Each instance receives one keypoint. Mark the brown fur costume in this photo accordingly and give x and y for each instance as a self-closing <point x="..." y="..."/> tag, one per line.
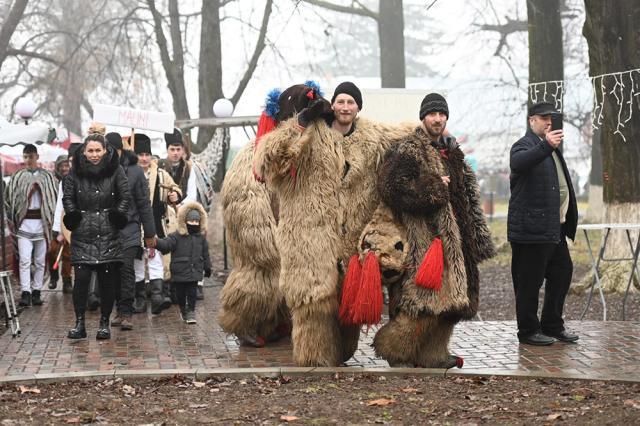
<point x="251" y="301"/>
<point x="410" y="184"/>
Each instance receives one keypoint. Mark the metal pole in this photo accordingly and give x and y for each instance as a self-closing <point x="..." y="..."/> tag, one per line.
<point x="2" y="221"/>
<point x="224" y="173"/>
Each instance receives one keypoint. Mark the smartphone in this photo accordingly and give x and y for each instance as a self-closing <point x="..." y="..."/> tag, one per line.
<point x="556" y="122"/>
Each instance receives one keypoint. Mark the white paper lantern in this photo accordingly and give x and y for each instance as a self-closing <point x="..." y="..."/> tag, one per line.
<point x="222" y="108"/>
<point x="25" y="107"/>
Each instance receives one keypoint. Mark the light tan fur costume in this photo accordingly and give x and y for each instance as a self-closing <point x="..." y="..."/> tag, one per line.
<point x="363" y="152"/>
<point x="251" y="302"/>
<point x="308" y="234"/>
<point x="410" y="185"/>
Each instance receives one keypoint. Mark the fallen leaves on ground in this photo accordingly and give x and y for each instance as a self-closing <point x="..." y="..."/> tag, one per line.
<point x="25" y="389"/>
<point x="381" y="402"/>
<point x="288" y="418"/>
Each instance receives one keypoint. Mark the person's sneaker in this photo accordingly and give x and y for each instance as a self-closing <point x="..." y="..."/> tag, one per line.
<point x="190" y="317"/>
<point x="537" y="339"/>
<point x="117" y="320"/>
<point x="563" y="336"/>
<point x="25" y="299"/>
<point x="125" y="322"/>
<point x="35" y="298"/>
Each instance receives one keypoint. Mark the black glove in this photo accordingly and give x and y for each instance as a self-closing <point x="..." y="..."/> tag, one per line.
<point x="316" y="109"/>
<point x="119" y="220"/>
<point x="72" y="220"/>
<point x="207" y="272"/>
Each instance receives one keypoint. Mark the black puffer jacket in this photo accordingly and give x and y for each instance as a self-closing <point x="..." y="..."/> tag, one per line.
<point x="96" y="199"/>
<point x="189" y="252"/>
<point x="534" y="206"/>
<point x="140" y="207"/>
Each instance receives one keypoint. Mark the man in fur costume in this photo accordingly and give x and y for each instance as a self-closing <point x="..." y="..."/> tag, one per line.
<point x="164" y="196"/>
<point x="302" y="161"/>
<point x="252" y="306"/>
<point x="434" y="196"/>
<point x="30" y="199"/>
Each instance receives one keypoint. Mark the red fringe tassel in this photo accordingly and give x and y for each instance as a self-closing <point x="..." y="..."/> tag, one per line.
<point x="429" y="274"/>
<point x="350" y="290"/>
<point x="368" y="306"/>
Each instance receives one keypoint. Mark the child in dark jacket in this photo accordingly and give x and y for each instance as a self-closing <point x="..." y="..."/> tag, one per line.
<point x="189" y="256"/>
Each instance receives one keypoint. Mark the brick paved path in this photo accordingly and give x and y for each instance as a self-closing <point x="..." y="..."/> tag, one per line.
<point x="606" y="350"/>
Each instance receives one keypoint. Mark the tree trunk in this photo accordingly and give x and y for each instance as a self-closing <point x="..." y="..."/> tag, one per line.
<point x="613" y="36"/>
<point x="546" y="56"/>
<point x="72" y="91"/>
<point x="391" y="36"/>
<point x="210" y="69"/>
<point x="9" y="26"/>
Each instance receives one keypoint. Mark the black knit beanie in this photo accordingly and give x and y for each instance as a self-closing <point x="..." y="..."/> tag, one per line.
<point x="434" y="102"/>
<point x="114" y="139"/>
<point x="350" y="89"/>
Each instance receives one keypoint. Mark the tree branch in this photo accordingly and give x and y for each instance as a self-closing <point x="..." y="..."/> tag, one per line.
<point x="362" y="11"/>
<point x="253" y="63"/>
<point x="22" y="52"/>
<point x="9" y="27"/>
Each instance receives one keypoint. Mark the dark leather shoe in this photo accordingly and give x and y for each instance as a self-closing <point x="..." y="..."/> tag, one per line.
<point x="537" y="339"/>
<point x="564" y="336"/>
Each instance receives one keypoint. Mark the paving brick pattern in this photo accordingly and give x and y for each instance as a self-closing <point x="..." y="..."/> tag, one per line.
<point x="607" y="350"/>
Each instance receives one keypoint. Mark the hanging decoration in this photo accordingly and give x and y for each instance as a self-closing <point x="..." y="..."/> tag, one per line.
<point x="622" y="86"/>
<point x="547" y="91"/>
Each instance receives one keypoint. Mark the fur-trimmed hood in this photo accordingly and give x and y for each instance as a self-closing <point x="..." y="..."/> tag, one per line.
<point x="182" y="217"/>
<point x="106" y="167"/>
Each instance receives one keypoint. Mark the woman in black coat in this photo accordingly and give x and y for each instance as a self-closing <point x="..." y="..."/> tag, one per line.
<point x="96" y="198"/>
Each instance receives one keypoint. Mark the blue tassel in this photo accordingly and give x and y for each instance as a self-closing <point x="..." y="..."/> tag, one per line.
<point x="271" y="107"/>
<point x="315" y="86"/>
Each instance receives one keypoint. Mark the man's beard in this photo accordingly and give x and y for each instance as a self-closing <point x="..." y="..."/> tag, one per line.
<point x="345" y="120"/>
<point x="433" y="132"/>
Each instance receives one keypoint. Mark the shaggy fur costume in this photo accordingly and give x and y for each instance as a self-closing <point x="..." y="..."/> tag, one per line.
<point x="308" y="234"/>
<point x="251" y="302"/>
<point x="410" y="184"/>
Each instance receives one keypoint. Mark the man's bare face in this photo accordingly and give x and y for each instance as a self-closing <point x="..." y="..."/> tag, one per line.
<point x="175" y="153"/>
<point x="144" y="159"/>
<point x="64" y="168"/>
<point x="345" y="109"/>
<point x="540" y="124"/>
<point x="435" y="123"/>
<point x="30" y="160"/>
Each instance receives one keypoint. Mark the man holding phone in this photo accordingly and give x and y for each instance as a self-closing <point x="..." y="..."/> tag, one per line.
<point x="542" y="213"/>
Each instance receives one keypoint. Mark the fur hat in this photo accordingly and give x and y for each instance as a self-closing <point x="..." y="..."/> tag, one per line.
<point x="142" y="144"/>
<point x="174" y="138"/>
<point x="350" y="89"/>
<point x="434" y="102"/>
<point x="114" y="139"/>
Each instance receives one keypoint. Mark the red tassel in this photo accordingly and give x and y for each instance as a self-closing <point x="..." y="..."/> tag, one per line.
<point x="265" y="125"/>
<point x="350" y="290"/>
<point x="368" y="306"/>
<point x="429" y="274"/>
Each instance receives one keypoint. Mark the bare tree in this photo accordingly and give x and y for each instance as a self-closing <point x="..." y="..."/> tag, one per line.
<point x="9" y="26"/>
<point x="390" y="21"/>
<point x="210" y="72"/>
